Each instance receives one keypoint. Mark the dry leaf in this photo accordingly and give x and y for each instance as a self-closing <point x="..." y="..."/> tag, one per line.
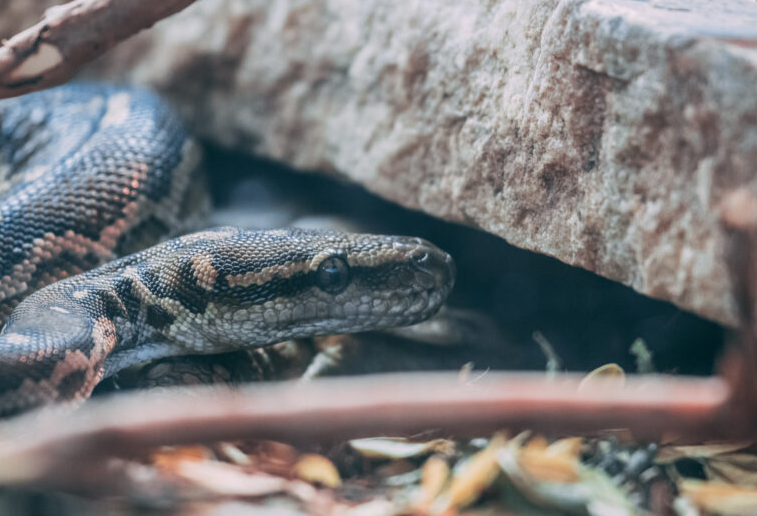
<point x="463" y="376"/>
<point x="568" y="447"/>
<point x="225" y="479"/>
<point x="670" y="454"/>
<point x="537" y="443"/>
<point x="274" y="457"/>
<point x="434" y="475"/>
<point x="473" y="477"/>
<point x="552" y="477"/>
<point x="721" y="461"/>
<point x="275" y="451"/>
<point x="720" y="498"/>
<point x="317" y="469"/>
<point x="601" y="376"/>
<point x="558" y="464"/>
<point x="398" y="448"/>
<point x="168" y="457"/>
<point x="313" y="500"/>
<point x="233" y="454"/>
<point x="734" y="468"/>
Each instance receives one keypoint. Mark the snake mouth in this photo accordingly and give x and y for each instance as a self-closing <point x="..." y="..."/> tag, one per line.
<point x="394" y="311"/>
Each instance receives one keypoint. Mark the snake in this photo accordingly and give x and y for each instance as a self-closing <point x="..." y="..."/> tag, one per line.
<point x="98" y="185"/>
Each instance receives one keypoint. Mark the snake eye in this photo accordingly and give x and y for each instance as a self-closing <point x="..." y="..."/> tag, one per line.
<point x="333" y="275"/>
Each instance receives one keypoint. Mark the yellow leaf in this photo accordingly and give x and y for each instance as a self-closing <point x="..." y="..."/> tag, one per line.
<point x="555" y="478"/>
<point x="734" y="468"/>
<point x="317" y="469"/>
<point x="537" y="443"/>
<point x="601" y="376"/>
<point x="168" y="457"/>
<point x="398" y="448"/>
<point x="474" y="478"/>
<point x="226" y="479"/>
<point x="570" y="447"/>
<point x="553" y="467"/>
<point x="433" y="477"/>
<point x="556" y="462"/>
<point x="233" y="454"/>
<point x="670" y="454"/>
<point x="720" y="498"/>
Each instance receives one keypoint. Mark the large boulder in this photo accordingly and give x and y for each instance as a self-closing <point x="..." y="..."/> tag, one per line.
<point x="602" y="132"/>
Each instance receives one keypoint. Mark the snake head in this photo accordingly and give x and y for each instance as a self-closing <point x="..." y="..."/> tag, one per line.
<point x="261" y="287"/>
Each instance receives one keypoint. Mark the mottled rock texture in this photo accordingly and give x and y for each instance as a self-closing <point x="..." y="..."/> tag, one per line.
<point x="602" y="132"/>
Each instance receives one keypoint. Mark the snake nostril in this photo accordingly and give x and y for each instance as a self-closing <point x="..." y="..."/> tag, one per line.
<point x="421" y="258"/>
<point x="436" y="264"/>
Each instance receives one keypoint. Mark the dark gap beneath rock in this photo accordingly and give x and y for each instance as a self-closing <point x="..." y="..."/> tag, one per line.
<point x="589" y="320"/>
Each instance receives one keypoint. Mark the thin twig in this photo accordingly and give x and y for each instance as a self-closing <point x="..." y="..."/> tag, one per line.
<point x="554" y="364"/>
<point x="71" y="35"/>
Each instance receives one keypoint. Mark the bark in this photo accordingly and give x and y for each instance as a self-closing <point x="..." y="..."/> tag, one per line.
<point x="71" y="35"/>
<point x="38" y="449"/>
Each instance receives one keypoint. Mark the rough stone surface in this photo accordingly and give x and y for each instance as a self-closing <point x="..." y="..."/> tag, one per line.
<point x="602" y="132"/>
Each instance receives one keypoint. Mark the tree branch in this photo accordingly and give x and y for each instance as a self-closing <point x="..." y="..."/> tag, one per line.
<point x="38" y="448"/>
<point x="71" y="35"/>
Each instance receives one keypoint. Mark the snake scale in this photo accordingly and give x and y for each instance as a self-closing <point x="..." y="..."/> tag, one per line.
<point x="92" y="172"/>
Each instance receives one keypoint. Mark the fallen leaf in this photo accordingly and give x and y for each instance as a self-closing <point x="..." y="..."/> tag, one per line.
<point x="554" y="478"/>
<point x="233" y="454"/>
<point x="720" y="498"/>
<point x="568" y="447"/>
<point x="601" y="376"/>
<point x="434" y="475"/>
<point x="317" y="469"/>
<point x="274" y="457"/>
<point x="537" y="443"/>
<point x="670" y="454"/>
<point x="734" y="468"/>
<point x="555" y="466"/>
<point x="225" y="479"/>
<point x="398" y="448"/>
<point x="472" y="477"/>
<point x="463" y="376"/>
<point x="721" y="462"/>
<point x="168" y="457"/>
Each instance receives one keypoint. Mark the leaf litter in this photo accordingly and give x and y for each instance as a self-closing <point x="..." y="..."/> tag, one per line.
<point x="431" y="475"/>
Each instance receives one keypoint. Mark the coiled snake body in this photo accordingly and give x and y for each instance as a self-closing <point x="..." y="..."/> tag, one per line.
<point x="91" y="172"/>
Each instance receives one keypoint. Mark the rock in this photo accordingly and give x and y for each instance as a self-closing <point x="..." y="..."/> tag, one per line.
<point x="602" y="132"/>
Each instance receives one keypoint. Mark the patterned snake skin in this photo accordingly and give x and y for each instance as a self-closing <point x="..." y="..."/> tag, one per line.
<point x="91" y="172"/>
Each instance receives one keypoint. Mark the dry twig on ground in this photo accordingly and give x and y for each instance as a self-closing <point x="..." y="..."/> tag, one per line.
<point x="38" y="448"/>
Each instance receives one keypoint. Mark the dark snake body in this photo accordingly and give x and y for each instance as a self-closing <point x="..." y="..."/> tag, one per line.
<point x="91" y="172"/>
<point x="87" y="173"/>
